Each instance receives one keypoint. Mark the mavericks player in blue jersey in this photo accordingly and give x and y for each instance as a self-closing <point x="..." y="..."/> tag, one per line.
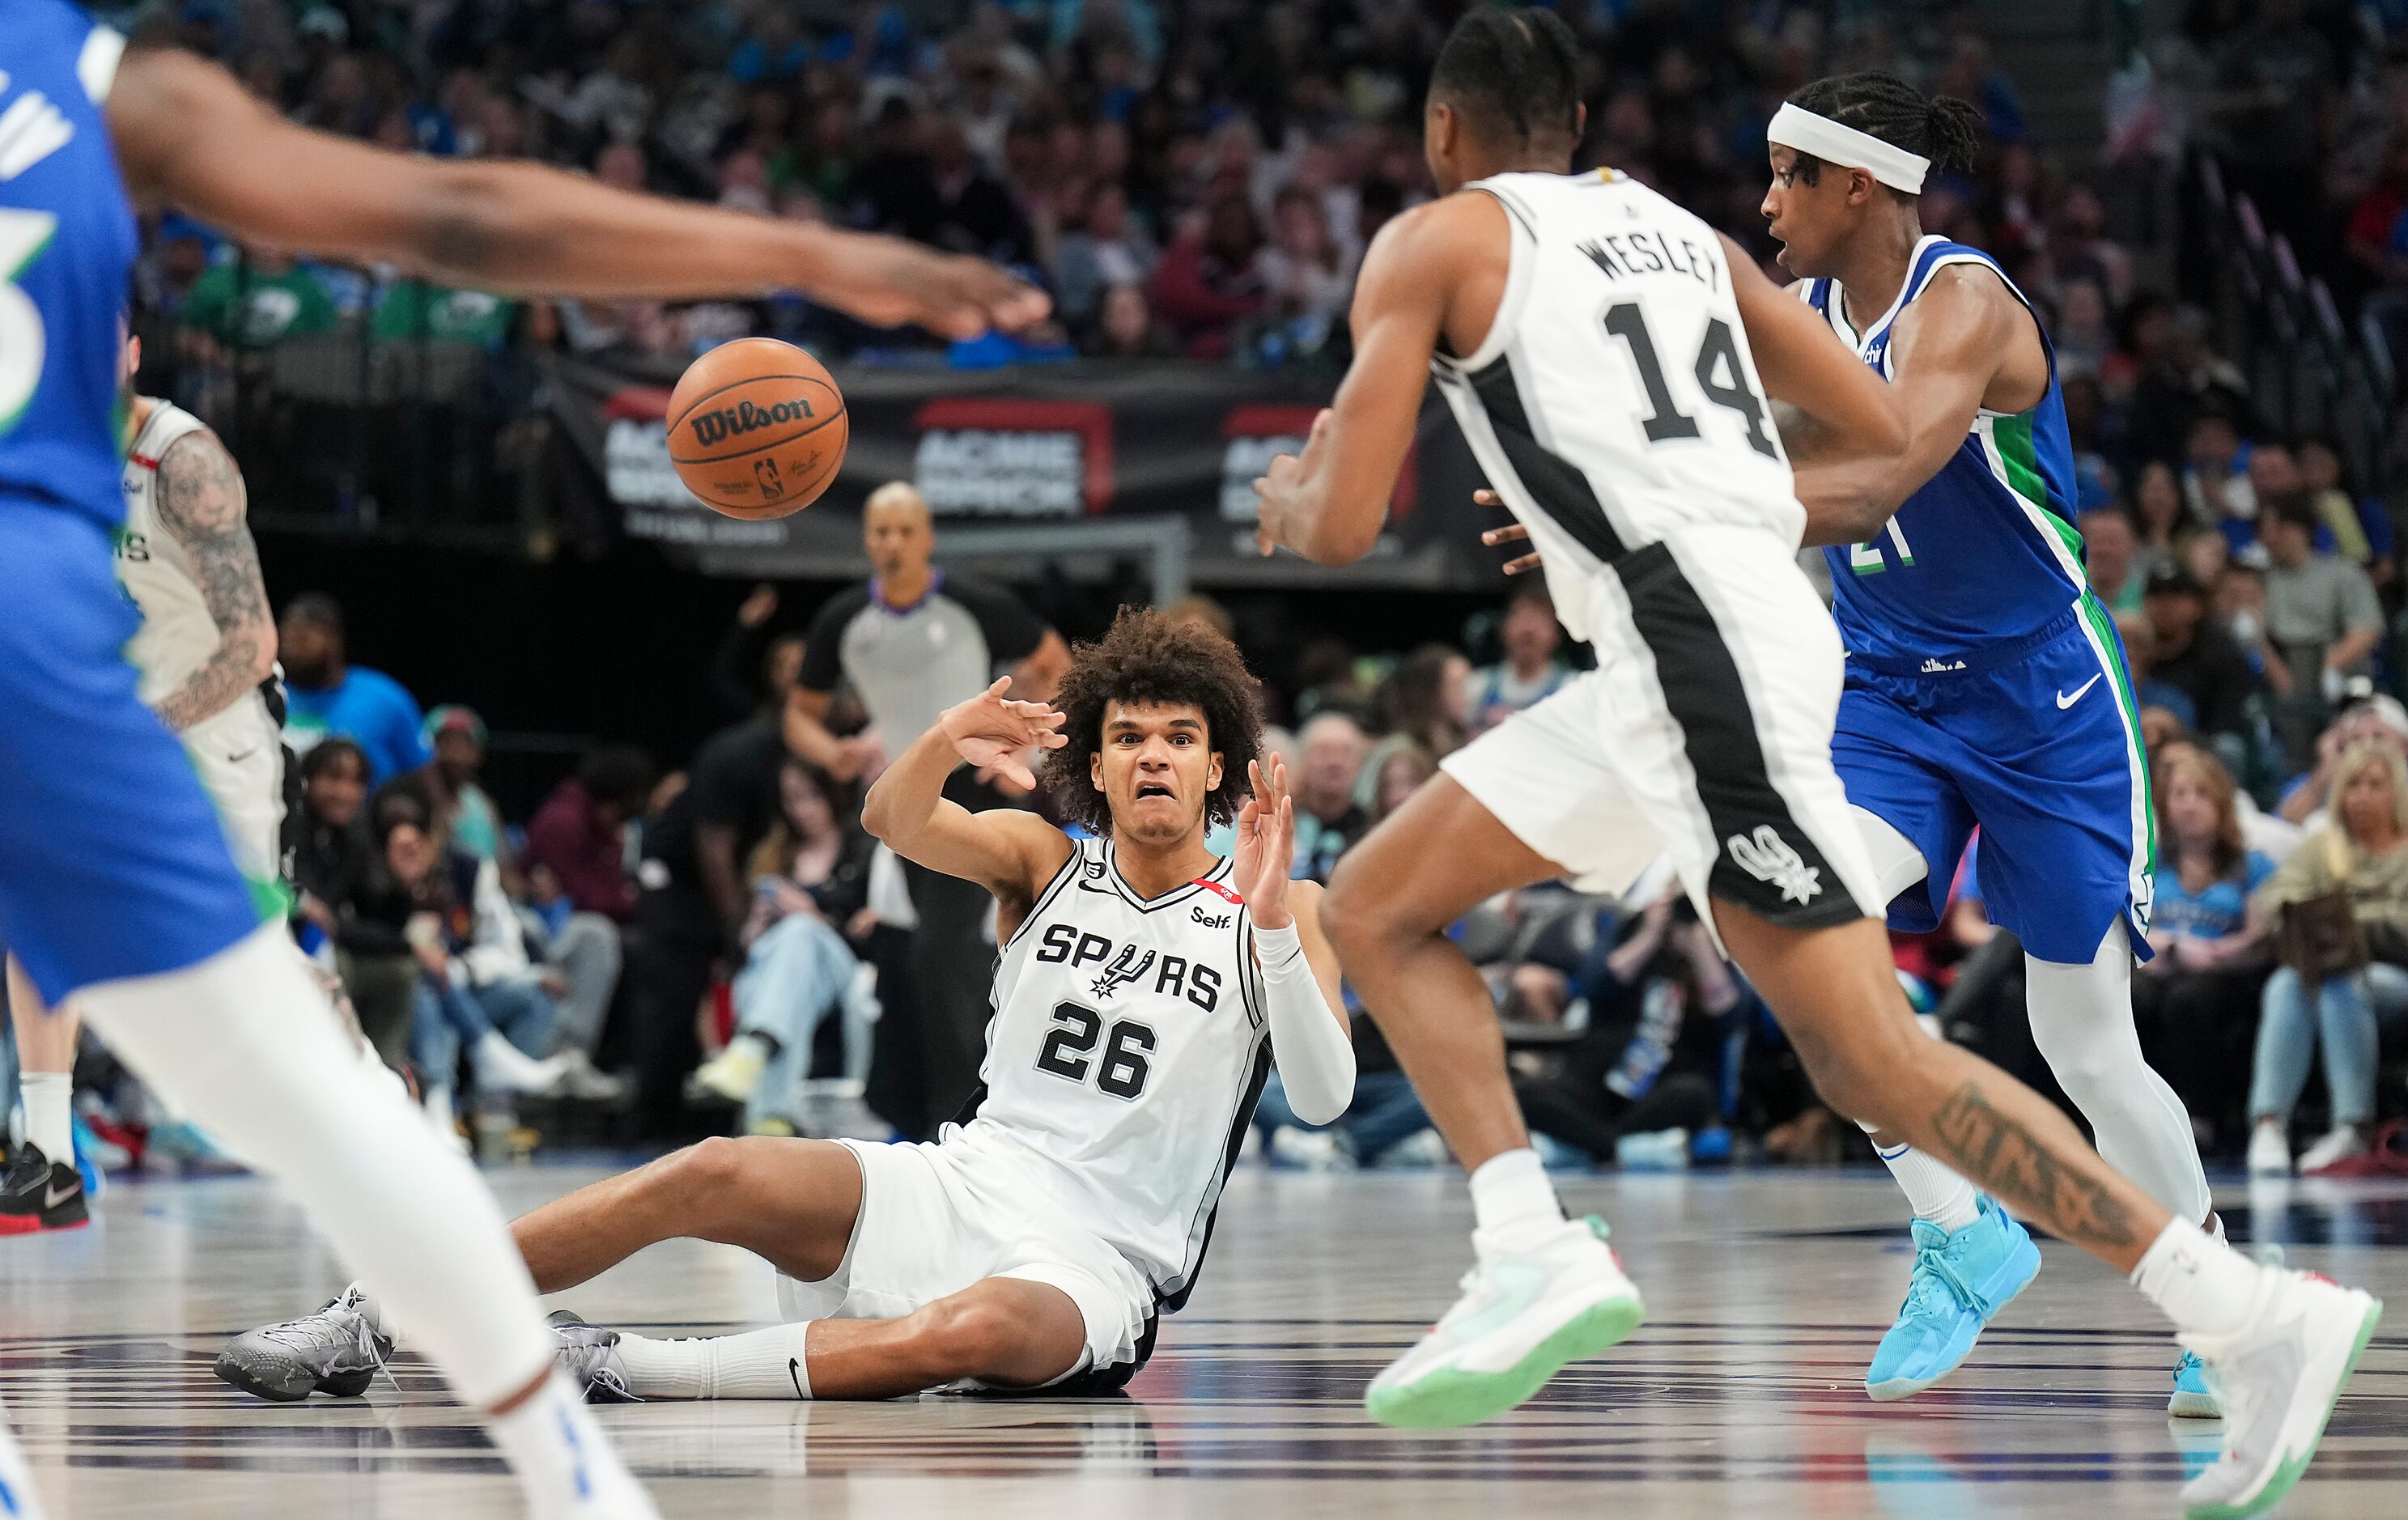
<point x="1985" y="685"/>
<point x="117" y="886"/>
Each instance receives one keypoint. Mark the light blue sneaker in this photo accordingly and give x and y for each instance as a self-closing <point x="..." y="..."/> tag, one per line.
<point x="1960" y="1280"/>
<point x="2193" y="1398"/>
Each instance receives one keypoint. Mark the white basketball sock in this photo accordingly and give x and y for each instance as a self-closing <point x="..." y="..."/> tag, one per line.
<point x="49" y="1122"/>
<point x="758" y="1364"/>
<point x="249" y="1046"/>
<point x="1933" y="1190"/>
<point x="1512" y="1203"/>
<point x="2205" y="1286"/>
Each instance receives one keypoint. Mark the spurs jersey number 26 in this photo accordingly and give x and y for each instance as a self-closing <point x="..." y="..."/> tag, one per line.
<point x="1127" y="1050"/>
<point x="1614" y="399"/>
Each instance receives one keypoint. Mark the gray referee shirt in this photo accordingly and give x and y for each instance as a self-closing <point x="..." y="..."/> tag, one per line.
<point x="909" y="664"/>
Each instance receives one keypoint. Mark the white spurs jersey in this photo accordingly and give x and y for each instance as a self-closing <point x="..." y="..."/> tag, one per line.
<point x="177" y="633"/>
<point x="1614" y="399"/>
<point x="1128" y="1049"/>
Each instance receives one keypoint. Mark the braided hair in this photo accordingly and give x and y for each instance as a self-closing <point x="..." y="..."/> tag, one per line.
<point x="1517" y="71"/>
<point x="1941" y="128"/>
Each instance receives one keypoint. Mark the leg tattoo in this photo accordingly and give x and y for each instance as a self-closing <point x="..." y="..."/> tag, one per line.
<point x="1998" y="1151"/>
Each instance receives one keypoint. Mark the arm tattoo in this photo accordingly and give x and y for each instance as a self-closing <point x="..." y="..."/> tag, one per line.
<point x="2003" y="1156"/>
<point x="202" y="502"/>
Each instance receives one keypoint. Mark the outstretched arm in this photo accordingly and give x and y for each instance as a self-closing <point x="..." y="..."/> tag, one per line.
<point x="1009" y="853"/>
<point x="1329" y="503"/>
<point x="201" y="501"/>
<point x="189" y="135"/>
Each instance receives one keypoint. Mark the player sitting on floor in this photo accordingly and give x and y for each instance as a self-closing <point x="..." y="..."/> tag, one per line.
<point x="1035" y="1243"/>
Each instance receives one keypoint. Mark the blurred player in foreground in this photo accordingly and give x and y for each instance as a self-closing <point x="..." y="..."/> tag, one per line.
<point x="117" y="886"/>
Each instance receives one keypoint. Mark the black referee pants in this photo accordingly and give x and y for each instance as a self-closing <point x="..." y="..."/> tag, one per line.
<point x="955" y="965"/>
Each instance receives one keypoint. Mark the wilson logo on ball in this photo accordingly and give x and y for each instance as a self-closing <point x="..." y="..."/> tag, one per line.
<point x="744" y="417"/>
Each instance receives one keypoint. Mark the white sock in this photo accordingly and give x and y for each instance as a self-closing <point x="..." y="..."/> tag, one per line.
<point x="1511" y="1200"/>
<point x="2204" y="1286"/>
<point x="758" y="1364"/>
<point x="562" y="1459"/>
<point x="1933" y="1190"/>
<point x="50" y="1098"/>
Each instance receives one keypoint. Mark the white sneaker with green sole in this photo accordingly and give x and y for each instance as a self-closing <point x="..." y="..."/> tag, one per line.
<point x="1522" y="1316"/>
<point x="2277" y="1378"/>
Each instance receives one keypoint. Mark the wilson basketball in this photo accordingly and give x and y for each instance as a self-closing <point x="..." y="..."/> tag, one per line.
<point x="757" y="428"/>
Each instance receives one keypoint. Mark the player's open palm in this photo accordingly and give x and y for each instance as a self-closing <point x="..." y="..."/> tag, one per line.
<point x="995" y="733"/>
<point x="1266" y="843"/>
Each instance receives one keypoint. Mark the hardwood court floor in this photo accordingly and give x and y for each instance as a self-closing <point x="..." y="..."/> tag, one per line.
<point x="1742" y="1396"/>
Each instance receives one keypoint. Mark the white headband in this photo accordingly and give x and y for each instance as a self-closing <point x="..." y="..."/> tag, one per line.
<point x="1835" y="142"/>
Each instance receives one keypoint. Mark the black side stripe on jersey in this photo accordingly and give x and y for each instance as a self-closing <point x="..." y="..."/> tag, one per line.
<point x="1174" y="1301"/>
<point x="1707" y="698"/>
<point x="1556" y="486"/>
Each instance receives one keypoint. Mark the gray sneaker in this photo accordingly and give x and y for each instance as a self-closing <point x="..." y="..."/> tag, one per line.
<point x="334" y="1351"/>
<point x="590" y="1356"/>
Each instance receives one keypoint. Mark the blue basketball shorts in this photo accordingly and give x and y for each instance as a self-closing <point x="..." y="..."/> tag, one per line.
<point x="112" y="862"/>
<point x="2039" y="743"/>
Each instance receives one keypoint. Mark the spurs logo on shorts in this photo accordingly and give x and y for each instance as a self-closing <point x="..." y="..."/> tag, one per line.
<point x="1768" y="857"/>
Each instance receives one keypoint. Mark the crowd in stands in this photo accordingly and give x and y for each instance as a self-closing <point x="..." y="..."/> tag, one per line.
<point x="1199" y="177"/>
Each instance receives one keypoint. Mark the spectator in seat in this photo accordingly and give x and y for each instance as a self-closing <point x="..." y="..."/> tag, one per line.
<point x="257" y="301"/>
<point x="2322" y="617"/>
<point x="2156" y="518"/>
<point x="333" y="861"/>
<point x="1211" y="278"/>
<point x="463" y="812"/>
<point x="2361" y="528"/>
<point x="1111" y="249"/>
<point x="1428" y="702"/>
<point x="2362" y="855"/>
<point x="2196" y="654"/>
<point x="810" y="896"/>
<point x="326" y="693"/>
<point x="1125" y="328"/>
<point x="2197" y="1001"/>
<point x="475" y="991"/>
<point x="579" y="835"/>
<point x="2111" y="546"/>
<point x="1328" y="820"/>
<point x="1531" y="668"/>
<point x="2216" y="484"/>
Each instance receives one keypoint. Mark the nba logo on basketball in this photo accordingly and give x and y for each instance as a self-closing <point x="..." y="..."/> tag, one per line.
<point x="766" y="472"/>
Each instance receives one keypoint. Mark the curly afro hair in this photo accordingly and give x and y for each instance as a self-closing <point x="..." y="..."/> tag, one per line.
<point x="1148" y="658"/>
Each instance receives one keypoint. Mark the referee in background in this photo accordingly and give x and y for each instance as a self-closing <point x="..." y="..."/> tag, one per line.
<point x="911" y="643"/>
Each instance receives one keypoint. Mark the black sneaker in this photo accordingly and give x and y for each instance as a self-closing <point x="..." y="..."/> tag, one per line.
<point x="38" y="1192"/>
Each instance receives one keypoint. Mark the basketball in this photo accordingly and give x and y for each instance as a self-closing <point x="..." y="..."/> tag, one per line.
<point x="757" y="429"/>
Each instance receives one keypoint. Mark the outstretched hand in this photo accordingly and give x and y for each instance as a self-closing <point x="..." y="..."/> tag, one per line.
<point x="1266" y="845"/>
<point x="1511" y="533"/>
<point x="994" y="733"/>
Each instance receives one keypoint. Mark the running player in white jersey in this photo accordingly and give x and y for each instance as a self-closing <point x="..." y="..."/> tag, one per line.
<point x="206" y="649"/>
<point x="1608" y="358"/>
<point x="1145" y="986"/>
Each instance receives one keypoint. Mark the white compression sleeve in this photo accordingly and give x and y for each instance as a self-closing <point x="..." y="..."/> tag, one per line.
<point x="246" y="1044"/>
<point x="2081" y="1021"/>
<point x="1316" y="1059"/>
